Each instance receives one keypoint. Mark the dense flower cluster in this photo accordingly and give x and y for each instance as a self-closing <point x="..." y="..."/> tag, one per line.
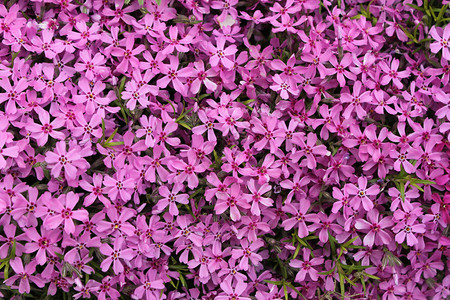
<point x="224" y="149"/>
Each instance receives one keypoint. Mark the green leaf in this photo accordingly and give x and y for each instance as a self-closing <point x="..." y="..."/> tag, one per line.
<point x="371" y="276"/>
<point x="274" y="282"/>
<point x="297" y="250"/>
<point x="185" y="125"/>
<point x="112" y="144"/>
<point x="247" y="102"/>
<point x="410" y="36"/>
<point x="402" y="190"/>
<point x="342" y="249"/>
<point x="301" y="241"/>
<point x="122" y="84"/>
<point x="60" y="255"/>
<point x="103" y="132"/>
<point x="341" y="281"/>
<point x="13" y="251"/>
<point x="183" y="281"/>
<point x="327" y="272"/>
<point x="417" y="187"/>
<point x="332" y="243"/>
<point x="158" y="2"/>
<point x="416" y="180"/>
<point x="286" y="295"/>
<point x="415" y="7"/>
<point x="349" y="281"/>
<point x="347" y="244"/>
<point x="363" y="282"/>
<point x="178" y="267"/>
<point x="112" y="135"/>
<point x="4" y="264"/>
<point x="295" y="289"/>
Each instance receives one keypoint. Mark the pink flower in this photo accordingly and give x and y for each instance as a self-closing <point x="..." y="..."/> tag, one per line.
<point x="12" y="151"/>
<point x="114" y="255"/>
<point x="219" y="54"/>
<point x="25" y="275"/>
<point x="121" y="185"/>
<point x="92" y="66"/>
<point x="407" y="230"/>
<point x="71" y="161"/>
<point x="255" y="198"/>
<point x="442" y="41"/>
<point x="232" y="293"/>
<point x="44" y="243"/>
<point x="64" y="212"/>
<point x="128" y="55"/>
<point x="229" y="122"/>
<point x="326" y="225"/>
<point x="310" y="149"/>
<point x="306" y="266"/>
<point x="231" y="200"/>
<point x="284" y="86"/>
<point x="362" y="194"/>
<point x="171" y="198"/>
<point x="376" y="227"/>
<point x="248" y="252"/>
<point x="393" y="74"/>
<point x="188" y="170"/>
<point x="299" y="217"/>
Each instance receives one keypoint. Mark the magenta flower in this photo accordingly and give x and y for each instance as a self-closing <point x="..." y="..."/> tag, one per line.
<point x="129" y="149"/>
<point x="150" y="285"/>
<point x="340" y="69"/>
<point x="118" y="222"/>
<point x="284" y="86"/>
<point x="232" y="293"/>
<point x="326" y="225"/>
<point x="219" y="54"/>
<point x="442" y="41"/>
<point x="95" y="187"/>
<point x="231" y="199"/>
<point x="120" y="186"/>
<point x="13" y="93"/>
<point x="25" y="275"/>
<point x="113" y="256"/>
<point x="356" y="101"/>
<point x="188" y="170"/>
<point x="407" y="231"/>
<point x="376" y="227"/>
<point x="175" y="75"/>
<point x="12" y="151"/>
<point x="361" y="194"/>
<point x="392" y="73"/>
<point x="299" y="217"/>
<point x="269" y="169"/>
<point x="64" y="213"/>
<point x="71" y="161"/>
<point x="92" y="95"/>
<point x="92" y="66"/>
<point x="248" y="252"/>
<point x="310" y="149"/>
<point x="256" y="197"/>
<point x="45" y="243"/>
<point x="306" y="266"/>
<point x="128" y="55"/>
<point x="171" y="198"/>
<point x="229" y="122"/>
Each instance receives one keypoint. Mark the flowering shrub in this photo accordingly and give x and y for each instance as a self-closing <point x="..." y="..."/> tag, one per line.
<point x="224" y="149"/>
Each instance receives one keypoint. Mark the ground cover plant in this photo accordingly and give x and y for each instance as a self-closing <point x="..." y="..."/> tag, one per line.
<point x="224" y="149"/>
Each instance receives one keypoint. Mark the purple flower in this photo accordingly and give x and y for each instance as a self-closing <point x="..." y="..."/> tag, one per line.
<point x="306" y="266"/>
